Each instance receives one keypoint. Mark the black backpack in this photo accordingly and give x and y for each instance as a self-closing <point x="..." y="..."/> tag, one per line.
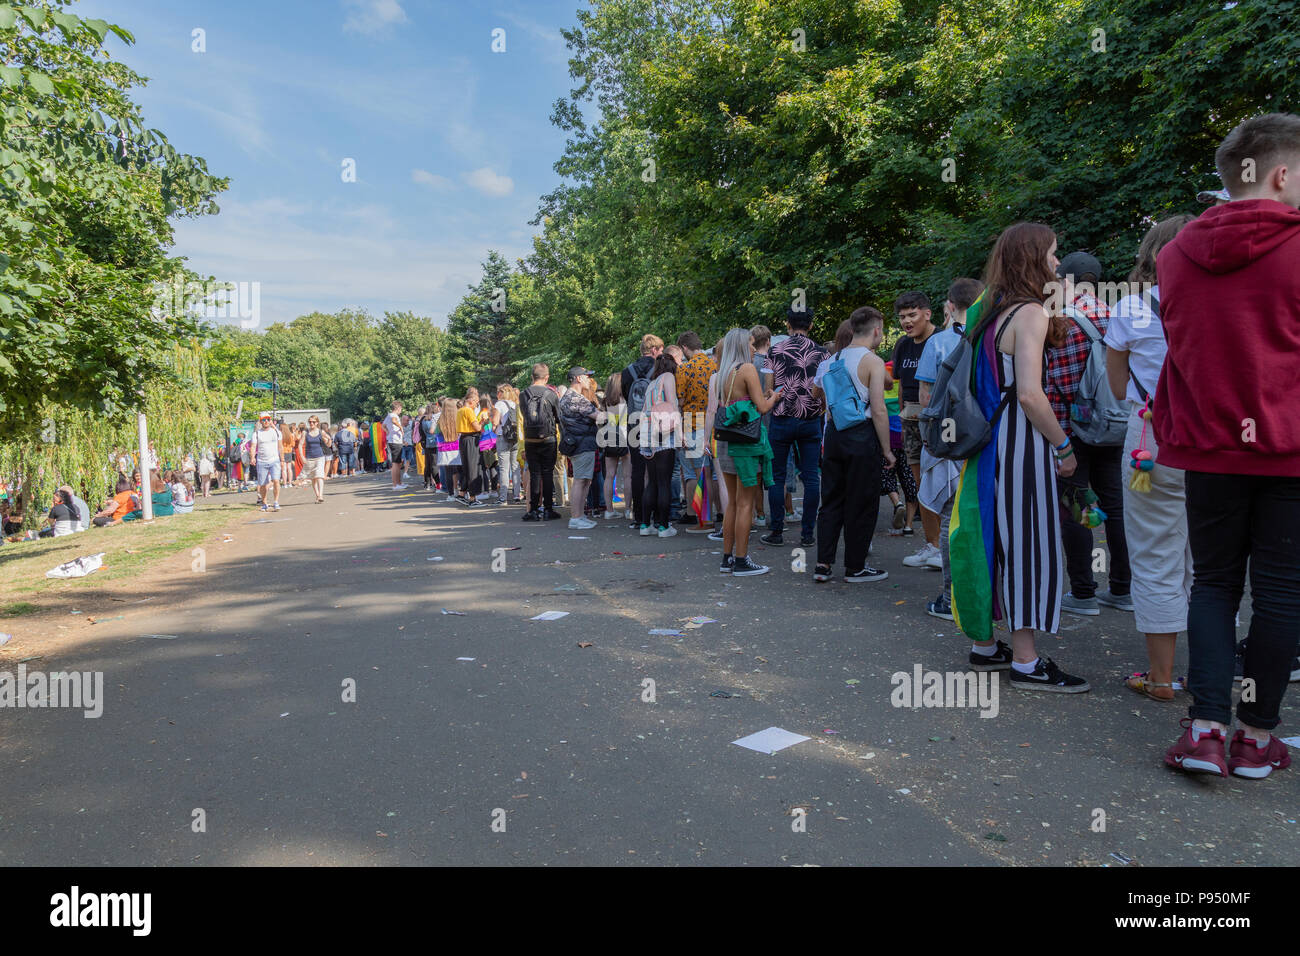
<point x="509" y="432"/>
<point x="539" y="412"/>
<point x="637" y="393"/>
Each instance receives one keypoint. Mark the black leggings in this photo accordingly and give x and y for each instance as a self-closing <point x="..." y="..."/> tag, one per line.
<point x="471" y="482"/>
<point x="658" y="486"/>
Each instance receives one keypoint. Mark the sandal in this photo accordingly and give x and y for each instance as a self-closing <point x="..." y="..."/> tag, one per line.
<point x="822" y="573"/>
<point x="1142" y="684"/>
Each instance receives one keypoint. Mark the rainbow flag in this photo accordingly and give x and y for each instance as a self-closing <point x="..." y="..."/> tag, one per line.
<point x="378" y="444"/>
<point x="700" y="500"/>
<point x="973" y="527"/>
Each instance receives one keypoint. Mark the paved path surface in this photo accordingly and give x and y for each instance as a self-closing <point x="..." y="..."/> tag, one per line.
<point x="242" y="715"/>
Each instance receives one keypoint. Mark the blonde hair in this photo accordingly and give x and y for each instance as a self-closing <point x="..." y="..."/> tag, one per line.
<point x="447" y="421"/>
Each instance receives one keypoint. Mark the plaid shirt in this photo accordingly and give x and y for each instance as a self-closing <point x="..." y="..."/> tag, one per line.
<point x="1065" y="364"/>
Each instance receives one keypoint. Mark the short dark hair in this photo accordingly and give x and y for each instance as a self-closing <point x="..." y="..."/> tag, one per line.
<point x="689" y="340"/>
<point x="1266" y="140"/>
<point x="912" y="300"/>
<point x="862" y="319"/>
<point x="800" y="319"/>
<point x="124" y="484"/>
<point x="963" y="292"/>
<point x="540" y="371"/>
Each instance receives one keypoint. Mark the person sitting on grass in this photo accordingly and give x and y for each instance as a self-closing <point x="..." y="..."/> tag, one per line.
<point x="123" y="502"/>
<point x="160" y="494"/>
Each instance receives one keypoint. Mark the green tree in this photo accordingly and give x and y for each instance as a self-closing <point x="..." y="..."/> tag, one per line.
<point x="481" y="331"/>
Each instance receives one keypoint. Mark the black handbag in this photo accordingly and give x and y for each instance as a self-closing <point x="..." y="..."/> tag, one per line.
<point x="748" y="432"/>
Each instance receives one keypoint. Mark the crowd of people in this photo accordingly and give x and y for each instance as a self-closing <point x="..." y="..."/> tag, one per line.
<point x="1133" y="406"/>
<point x="1074" y="387"/>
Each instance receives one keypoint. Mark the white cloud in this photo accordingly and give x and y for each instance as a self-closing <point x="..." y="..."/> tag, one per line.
<point x="489" y="183"/>
<point x="313" y="256"/>
<point x="426" y="178"/>
<point x="372" y="16"/>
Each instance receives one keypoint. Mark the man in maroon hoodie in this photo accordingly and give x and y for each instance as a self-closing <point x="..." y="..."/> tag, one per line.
<point x="1230" y="304"/>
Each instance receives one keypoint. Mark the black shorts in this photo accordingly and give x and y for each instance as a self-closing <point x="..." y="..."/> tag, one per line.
<point x="394" y="453"/>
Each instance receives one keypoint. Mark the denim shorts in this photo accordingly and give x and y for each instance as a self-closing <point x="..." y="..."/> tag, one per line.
<point x="267" y="471"/>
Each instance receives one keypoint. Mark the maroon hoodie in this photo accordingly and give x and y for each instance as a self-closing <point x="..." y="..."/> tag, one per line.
<point x="1230" y="305"/>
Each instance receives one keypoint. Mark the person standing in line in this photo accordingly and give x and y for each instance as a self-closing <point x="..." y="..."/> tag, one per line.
<point x="578" y="423"/>
<point x="1155" y="518"/>
<point x="1008" y="490"/>
<point x="206" y="469"/>
<point x="1230" y="306"/>
<point x="1099" y="465"/>
<point x="693" y="396"/>
<point x="796" y="425"/>
<point x="914" y="315"/>
<point x="660" y="436"/>
<point x="613" y="429"/>
<point x="393" y="432"/>
<point x="939" y="476"/>
<point x="505" y="420"/>
<point x="635" y="381"/>
<point x="448" y="435"/>
<point x="346" y="442"/>
<point x="467" y="426"/>
<point x="851" y="459"/>
<point x="737" y="397"/>
<point x="540" y="411"/>
<point x="266" y="451"/>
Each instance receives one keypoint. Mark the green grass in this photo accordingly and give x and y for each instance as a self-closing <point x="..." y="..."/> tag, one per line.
<point x="128" y="550"/>
<point x="17" y="609"/>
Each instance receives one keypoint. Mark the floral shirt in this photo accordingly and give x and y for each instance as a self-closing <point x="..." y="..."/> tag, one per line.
<point x="693" y="383"/>
<point x="794" y="363"/>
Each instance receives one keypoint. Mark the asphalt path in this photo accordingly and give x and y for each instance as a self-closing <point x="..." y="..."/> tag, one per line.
<point x="542" y="751"/>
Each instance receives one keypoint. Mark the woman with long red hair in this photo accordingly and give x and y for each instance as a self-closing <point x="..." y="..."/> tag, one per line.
<point x="1007" y="497"/>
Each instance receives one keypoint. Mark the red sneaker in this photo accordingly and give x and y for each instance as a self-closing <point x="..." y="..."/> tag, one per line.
<point x="1201" y="756"/>
<point x="1247" y="759"/>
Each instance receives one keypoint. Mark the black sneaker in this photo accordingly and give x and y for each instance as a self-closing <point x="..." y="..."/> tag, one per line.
<point x="532" y="516"/>
<point x="909" y="531"/>
<point x="479" y="504"/>
<point x="807" y="542"/>
<point x="742" y="567"/>
<point x="822" y="573"/>
<point x="866" y="574"/>
<point x="774" y="539"/>
<point x="999" y="660"/>
<point x="1048" y="677"/>
<point x="688" y="520"/>
<point x="940" y="607"/>
<point x="551" y="515"/>
<point x="727" y="563"/>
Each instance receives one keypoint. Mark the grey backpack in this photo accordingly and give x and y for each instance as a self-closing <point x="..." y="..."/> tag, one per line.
<point x="1096" y="416"/>
<point x="953" y="426"/>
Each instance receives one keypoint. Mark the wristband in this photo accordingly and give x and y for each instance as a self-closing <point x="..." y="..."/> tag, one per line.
<point x="1062" y="457"/>
<point x="1063" y="445"/>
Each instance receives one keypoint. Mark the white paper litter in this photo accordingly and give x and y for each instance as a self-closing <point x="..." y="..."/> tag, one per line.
<point x="550" y="616"/>
<point x="79" y="567"/>
<point x="1291" y="741"/>
<point x="771" y="740"/>
<point x="464" y="658"/>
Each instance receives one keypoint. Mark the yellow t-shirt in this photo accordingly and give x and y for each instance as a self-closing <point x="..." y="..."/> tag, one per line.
<point x="467" y="420"/>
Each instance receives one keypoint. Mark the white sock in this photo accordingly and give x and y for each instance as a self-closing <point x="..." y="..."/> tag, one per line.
<point x="1025" y="668"/>
<point x="987" y="650"/>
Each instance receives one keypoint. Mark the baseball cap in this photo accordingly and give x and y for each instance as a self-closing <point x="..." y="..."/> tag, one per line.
<point x="1079" y="264"/>
<point x="578" y="371"/>
<point x="1208" y="196"/>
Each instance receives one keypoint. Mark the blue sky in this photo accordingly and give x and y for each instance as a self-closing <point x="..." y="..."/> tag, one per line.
<point x="452" y="142"/>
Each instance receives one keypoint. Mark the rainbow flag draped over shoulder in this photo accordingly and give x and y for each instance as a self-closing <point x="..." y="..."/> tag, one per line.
<point x="377" y="443"/>
<point x="973" y="527"/>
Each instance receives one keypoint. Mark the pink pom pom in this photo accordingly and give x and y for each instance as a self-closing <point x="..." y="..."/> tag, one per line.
<point x="1143" y="455"/>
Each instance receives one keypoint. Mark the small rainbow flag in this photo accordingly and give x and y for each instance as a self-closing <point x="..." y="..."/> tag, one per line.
<point x="377" y="443"/>
<point x="700" y="500"/>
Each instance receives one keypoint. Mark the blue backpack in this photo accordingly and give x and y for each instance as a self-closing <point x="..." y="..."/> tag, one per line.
<point x="848" y="410"/>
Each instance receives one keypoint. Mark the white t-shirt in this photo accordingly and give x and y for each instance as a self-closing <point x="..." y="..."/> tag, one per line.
<point x="393" y="428"/>
<point x="853" y="356"/>
<point x="266" y="441"/>
<point x="180" y="494"/>
<point x="1135" y="329"/>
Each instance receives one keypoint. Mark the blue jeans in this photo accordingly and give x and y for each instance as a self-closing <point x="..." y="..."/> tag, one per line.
<point x="348" y="461"/>
<point x="805" y="435"/>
